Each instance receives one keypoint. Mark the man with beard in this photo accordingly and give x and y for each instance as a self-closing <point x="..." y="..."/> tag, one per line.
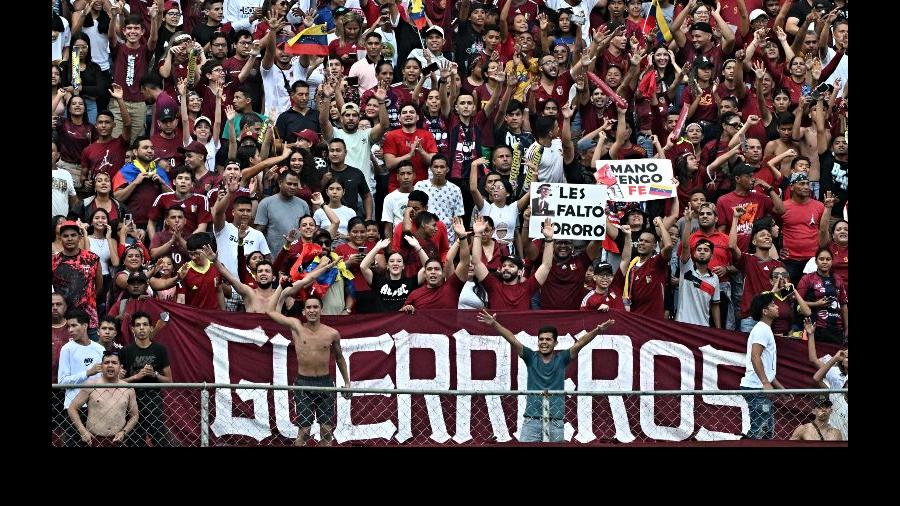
<point x="146" y="361"/>
<point x="106" y="408"/>
<point x="754" y="267"/>
<point x="195" y="206"/>
<point x="59" y="334"/>
<point x="256" y="300"/>
<point x="646" y="275"/>
<point x="702" y="42"/>
<point x="316" y="346"/>
<point x="546" y="371"/>
<point x="554" y="85"/>
<point x="721" y="262"/>
<point x="436" y="293"/>
<point x="358" y="143"/>
<point x="509" y="292"/>
<point x="77" y="274"/>
<point x="408" y="143"/>
<point x="698" y="297"/>
<point x="107" y="153"/>
<point x="562" y="290"/>
<point x="755" y="205"/>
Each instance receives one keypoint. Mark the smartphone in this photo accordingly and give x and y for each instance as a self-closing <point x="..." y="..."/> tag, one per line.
<point x="353" y="81"/>
<point x="744" y="146"/>
<point x="361" y="250"/>
<point x="430" y="68"/>
<point x="128" y="217"/>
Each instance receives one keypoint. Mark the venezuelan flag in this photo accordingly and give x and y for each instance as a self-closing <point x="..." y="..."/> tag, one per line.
<point x="312" y="41"/>
<point x="417" y="14"/>
<point x="664" y="36"/>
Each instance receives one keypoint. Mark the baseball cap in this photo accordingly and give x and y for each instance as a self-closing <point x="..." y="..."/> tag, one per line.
<point x="703" y="27"/>
<point x="757" y="13"/>
<point x="194" y="147"/>
<point x="798" y="177"/>
<point x="249" y="134"/>
<point x="822" y="401"/>
<point x="742" y="169"/>
<point x="514" y="259"/>
<point x="202" y="118"/>
<point x="704" y="63"/>
<point x="171" y="4"/>
<point x="351" y="106"/>
<point x="437" y="29"/>
<point x="69" y="224"/>
<point x="340" y="11"/>
<point x="137" y="277"/>
<point x="167" y="114"/>
<point x="308" y="135"/>
<point x="603" y="266"/>
<point x="478" y="5"/>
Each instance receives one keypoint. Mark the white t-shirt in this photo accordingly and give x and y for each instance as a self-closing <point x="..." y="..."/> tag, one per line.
<point x="99" y="46"/>
<point x="57" y="46"/>
<point x="550" y="168"/>
<point x="467" y="297"/>
<point x="418" y="54"/>
<point x="61" y="187"/>
<point x="227" y="243"/>
<point x="842" y="67"/>
<point x="444" y="201"/>
<point x="393" y="207"/>
<point x="840" y="409"/>
<point x="74" y="361"/>
<point x="504" y="217"/>
<point x="344" y="213"/>
<point x="239" y="10"/>
<point x="276" y="95"/>
<point x="761" y="334"/>
<point x="212" y="147"/>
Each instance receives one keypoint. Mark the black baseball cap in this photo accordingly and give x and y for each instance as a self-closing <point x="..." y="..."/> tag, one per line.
<point x="514" y="259"/>
<point x="742" y="169"/>
<point x="603" y="266"/>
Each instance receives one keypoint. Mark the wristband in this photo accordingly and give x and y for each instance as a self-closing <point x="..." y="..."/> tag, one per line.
<point x="548" y="240"/>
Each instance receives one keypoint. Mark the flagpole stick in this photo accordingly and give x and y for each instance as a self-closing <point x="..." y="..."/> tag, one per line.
<point x="644" y="28"/>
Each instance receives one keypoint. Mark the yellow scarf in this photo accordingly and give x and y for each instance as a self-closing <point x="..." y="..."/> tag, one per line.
<point x="626" y="292"/>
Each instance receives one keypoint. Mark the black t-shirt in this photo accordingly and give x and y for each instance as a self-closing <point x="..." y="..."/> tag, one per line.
<point x="467" y="42"/>
<point x="800" y="10"/>
<point x="135" y="358"/>
<point x="356" y="187"/>
<point x="834" y="176"/>
<point x="392" y="294"/>
<point x="290" y="122"/>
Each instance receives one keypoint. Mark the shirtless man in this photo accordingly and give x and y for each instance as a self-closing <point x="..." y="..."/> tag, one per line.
<point x="107" y="407"/>
<point x="256" y="300"/>
<point x="315" y="345"/>
<point x="818" y="429"/>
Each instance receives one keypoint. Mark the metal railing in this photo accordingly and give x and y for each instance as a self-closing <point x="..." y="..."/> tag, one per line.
<point x="212" y="414"/>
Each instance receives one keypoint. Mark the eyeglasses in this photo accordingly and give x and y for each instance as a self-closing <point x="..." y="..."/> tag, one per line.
<point x="324" y="242"/>
<point x="734" y="125"/>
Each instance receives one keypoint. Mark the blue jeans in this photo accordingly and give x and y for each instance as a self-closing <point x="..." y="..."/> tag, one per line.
<point x="90" y="108"/>
<point x="747" y="325"/>
<point x="533" y="430"/>
<point x="762" y="416"/>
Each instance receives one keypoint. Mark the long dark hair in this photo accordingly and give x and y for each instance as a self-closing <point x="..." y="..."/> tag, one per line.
<point x="309" y="176"/>
<point x="668" y="73"/>
<point x="90" y="228"/>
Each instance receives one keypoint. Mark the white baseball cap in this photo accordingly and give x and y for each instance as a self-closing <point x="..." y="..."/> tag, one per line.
<point x="757" y="13"/>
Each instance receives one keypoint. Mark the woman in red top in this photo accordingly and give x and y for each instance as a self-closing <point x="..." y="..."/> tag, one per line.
<point x="346" y="46"/>
<point x="836" y="238"/>
<point x="75" y="134"/>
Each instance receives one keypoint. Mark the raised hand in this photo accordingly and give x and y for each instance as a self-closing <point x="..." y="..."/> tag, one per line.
<point x="478" y="226"/>
<point x="209" y="253"/>
<point x="459" y="227"/>
<point x="384" y="243"/>
<point x="829" y="200"/>
<point x="605" y="325"/>
<point x="547" y="229"/>
<point x="410" y="239"/>
<point x="317" y="199"/>
<point x="116" y="92"/>
<point x="739" y="211"/>
<point x="487" y="318"/>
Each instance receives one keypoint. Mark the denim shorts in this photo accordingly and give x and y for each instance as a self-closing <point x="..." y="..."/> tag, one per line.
<point x="762" y="415"/>
<point x="533" y="430"/>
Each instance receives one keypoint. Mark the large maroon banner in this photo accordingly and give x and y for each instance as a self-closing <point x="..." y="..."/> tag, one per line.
<point x="450" y="350"/>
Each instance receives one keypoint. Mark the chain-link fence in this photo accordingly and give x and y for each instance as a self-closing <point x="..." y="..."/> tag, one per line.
<point x="268" y="415"/>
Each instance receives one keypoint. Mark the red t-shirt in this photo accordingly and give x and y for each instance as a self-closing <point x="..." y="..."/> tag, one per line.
<point x="58" y="339"/>
<point x="398" y="143"/>
<point x="800" y="228"/>
<point x="756" y="206"/>
<point x="346" y="251"/>
<point x="707" y="110"/>
<point x="757" y="278"/>
<point x="445" y="296"/>
<point x="689" y="54"/>
<point x="106" y="157"/>
<point x="593" y="300"/>
<point x="73" y="139"/>
<point x="167" y="149"/>
<point x="608" y="59"/>
<point x="201" y="287"/>
<point x="721" y="252"/>
<point x="196" y="209"/>
<point x="336" y="49"/>
<point x="559" y="92"/>
<point x="436" y="247"/>
<point x="129" y="66"/>
<point x="179" y="255"/>
<point x="212" y="195"/>
<point x="75" y="277"/>
<point x="647" y="284"/>
<point x="839" y="263"/>
<point x="513" y="297"/>
<point x="562" y="290"/>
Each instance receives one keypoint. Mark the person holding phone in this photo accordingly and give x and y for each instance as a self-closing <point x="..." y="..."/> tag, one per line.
<point x="431" y="55"/>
